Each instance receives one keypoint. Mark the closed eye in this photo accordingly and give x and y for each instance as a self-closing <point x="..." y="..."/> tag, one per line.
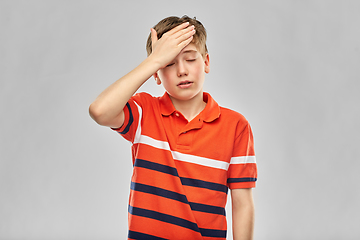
<point x="191" y="60"/>
<point x="169" y="65"/>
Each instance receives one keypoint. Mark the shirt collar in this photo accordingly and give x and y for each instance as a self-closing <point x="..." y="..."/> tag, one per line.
<point x="212" y="109"/>
<point x="209" y="114"/>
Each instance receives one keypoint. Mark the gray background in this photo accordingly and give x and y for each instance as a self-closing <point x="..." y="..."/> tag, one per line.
<point x="291" y="67"/>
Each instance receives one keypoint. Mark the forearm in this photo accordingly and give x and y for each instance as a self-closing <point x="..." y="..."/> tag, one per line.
<point x="110" y="103"/>
<point x="243" y="212"/>
<point x="108" y="107"/>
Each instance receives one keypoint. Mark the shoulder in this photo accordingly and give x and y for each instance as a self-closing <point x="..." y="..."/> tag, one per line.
<point x="232" y="115"/>
<point x="233" y="121"/>
<point x="142" y="95"/>
<point x="144" y="98"/>
<point x="229" y="118"/>
<point x="147" y="103"/>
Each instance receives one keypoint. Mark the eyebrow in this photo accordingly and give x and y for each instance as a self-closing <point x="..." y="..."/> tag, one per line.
<point x="190" y="51"/>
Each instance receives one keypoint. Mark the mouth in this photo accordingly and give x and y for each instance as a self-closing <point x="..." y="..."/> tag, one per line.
<point x="185" y="83"/>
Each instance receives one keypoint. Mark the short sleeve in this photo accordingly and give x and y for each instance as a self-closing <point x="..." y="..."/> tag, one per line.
<point x="242" y="172"/>
<point x="132" y="111"/>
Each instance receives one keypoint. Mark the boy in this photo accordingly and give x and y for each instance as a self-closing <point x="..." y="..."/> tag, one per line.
<point x="187" y="151"/>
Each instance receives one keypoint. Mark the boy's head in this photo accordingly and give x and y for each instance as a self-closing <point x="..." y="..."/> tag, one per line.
<point x="165" y="25"/>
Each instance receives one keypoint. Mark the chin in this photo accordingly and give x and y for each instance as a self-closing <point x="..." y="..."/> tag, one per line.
<point x="185" y="96"/>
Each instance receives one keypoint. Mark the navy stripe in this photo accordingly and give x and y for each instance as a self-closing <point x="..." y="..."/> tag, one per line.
<point x="203" y="184"/>
<point x="143" y="236"/>
<point x="207" y="208"/>
<point x="159" y="192"/>
<point x="156" y="166"/>
<point x="131" y="119"/>
<point x="177" y="197"/>
<point x="213" y="233"/>
<point x="163" y="217"/>
<point x="236" y="180"/>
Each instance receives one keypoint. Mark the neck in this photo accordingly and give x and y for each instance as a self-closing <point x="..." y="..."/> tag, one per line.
<point x="189" y="108"/>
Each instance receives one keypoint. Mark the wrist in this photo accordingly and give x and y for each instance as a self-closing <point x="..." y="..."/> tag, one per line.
<point x="154" y="62"/>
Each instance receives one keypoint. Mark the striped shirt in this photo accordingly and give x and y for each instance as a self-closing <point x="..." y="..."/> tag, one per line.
<point x="183" y="170"/>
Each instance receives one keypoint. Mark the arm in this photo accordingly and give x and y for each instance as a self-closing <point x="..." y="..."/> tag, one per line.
<point x="107" y="109"/>
<point x="242" y="213"/>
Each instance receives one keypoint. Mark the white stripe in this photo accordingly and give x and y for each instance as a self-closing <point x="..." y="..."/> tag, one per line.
<point x="138" y="130"/>
<point x="182" y="156"/>
<point x="243" y="160"/>
<point x="200" y="160"/>
<point x="154" y="143"/>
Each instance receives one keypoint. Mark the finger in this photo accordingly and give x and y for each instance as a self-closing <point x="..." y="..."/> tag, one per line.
<point x="186" y="33"/>
<point x="154" y="37"/>
<point x="183" y="32"/>
<point x="186" y="42"/>
<point x="178" y="28"/>
<point x="186" y="38"/>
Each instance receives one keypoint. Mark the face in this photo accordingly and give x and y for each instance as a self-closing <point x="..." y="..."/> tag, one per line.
<point x="183" y="78"/>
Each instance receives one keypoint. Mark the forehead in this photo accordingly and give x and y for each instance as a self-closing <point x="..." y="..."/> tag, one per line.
<point x="191" y="48"/>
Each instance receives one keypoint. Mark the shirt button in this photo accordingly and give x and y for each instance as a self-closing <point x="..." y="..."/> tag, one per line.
<point x="176" y="114"/>
<point x="184" y="132"/>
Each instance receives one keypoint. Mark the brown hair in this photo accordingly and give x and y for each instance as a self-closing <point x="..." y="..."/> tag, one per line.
<point x="165" y="25"/>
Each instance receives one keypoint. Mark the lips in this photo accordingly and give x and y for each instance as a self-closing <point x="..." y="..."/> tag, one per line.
<point x="185" y="83"/>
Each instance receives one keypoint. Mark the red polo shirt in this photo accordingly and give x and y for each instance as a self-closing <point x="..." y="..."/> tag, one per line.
<point x="182" y="170"/>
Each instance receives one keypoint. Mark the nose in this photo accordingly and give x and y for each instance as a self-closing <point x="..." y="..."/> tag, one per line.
<point x="182" y="69"/>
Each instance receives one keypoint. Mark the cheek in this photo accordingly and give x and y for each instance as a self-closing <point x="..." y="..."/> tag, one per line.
<point x="198" y="70"/>
<point x="164" y="73"/>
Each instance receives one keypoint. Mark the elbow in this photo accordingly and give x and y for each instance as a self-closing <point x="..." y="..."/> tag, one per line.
<point x="96" y="113"/>
<point x="104" y="117"/>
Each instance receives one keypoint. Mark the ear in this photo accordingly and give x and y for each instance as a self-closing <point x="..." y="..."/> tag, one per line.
<point x="207" y="63"/>
<point x="157" y="79"/>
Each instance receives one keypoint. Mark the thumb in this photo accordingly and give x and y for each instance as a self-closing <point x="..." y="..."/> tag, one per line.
<point x="154" y="37"/>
